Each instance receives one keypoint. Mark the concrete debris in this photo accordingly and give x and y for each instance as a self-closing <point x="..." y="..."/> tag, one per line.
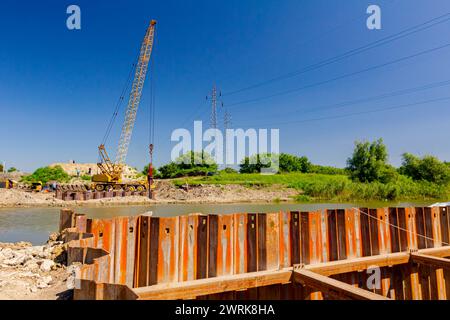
<point x="46" y="265"/>
<point x="30" y="272"/>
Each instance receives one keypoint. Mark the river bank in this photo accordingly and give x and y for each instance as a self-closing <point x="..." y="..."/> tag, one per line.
<point x="166" y="193"/>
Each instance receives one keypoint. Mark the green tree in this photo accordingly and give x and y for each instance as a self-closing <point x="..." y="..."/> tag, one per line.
<point x="255" y="163"/>
<point x="156" y="173"/>
<point x="12" y="169"/>
<point x="291" y="163"/>
<point x="428" y="168"/>
<point x="48" y="174"/>
<point x="369" y="163"/>
<point x="1" y="168"/>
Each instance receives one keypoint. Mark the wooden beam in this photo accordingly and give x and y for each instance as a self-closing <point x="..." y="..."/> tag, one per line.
<point x="441" y="252"/>
<point x="195" y="288"/>
<point x="431" y="260"/>
<point x="358" y="264"/>
<point x="332" y="287"/>
<point x="361" y="264"/>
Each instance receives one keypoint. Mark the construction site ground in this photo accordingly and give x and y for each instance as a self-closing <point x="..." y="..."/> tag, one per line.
<point x="165" y="192"/>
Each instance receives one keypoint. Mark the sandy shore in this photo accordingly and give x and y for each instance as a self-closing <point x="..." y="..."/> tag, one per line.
<point x="166" y="193"/>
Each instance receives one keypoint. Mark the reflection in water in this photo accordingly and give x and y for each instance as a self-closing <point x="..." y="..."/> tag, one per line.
<point x="35" y="224"/>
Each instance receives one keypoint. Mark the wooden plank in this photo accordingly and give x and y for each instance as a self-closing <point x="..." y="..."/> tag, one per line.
<point x="358" y="264"/>
<point x="436" y="262"/>
<point x="363" y="263"/>
<point x="192" y="289"/>
<point x="333" y="287"/>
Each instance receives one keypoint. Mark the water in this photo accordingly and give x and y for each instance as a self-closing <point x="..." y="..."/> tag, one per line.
<point x="35" y="224"/>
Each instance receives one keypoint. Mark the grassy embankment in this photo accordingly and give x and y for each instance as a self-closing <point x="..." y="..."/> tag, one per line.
<point x="314" y="187"/>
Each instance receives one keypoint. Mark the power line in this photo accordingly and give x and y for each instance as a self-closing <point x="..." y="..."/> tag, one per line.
<point x="331" y="30"/>
<point x="343" y="76"/>
<point x="359" y="113"/>
<point x="369" y="99"/>
<point x="380" y="42"/>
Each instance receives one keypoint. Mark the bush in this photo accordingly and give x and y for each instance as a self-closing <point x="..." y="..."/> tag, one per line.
<point x="86" y="177"/>
<point x="327" y="170"/>
<point x="428" y="168"/>
<point x="12" y="169"/>
<point x="287" y="163"/>
<point x="228" y="170"/>
<point x="189" y="164"/>
<point x="48" y="174"/>
<point x="369" y="162"/>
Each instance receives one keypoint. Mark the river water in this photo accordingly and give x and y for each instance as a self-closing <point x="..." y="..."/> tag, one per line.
<point x="35" y="224"/>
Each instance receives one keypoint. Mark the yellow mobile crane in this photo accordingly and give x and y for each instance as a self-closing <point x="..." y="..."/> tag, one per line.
<point x="110" y="177"/>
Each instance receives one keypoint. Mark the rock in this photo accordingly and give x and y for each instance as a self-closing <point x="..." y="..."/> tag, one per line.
<point x="7" y="253"/>
<point x="47" y="279"/>
<point x="33" y="289"/>
<point x="53" y="237"/>
<point x="47" y="265"/>
<point x="19" y="259"/>
<point x="31" y="265"/>
<point x="35" y="251"/>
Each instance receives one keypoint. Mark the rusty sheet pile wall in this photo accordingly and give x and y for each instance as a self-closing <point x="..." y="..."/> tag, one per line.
<point x="123" y="253"/>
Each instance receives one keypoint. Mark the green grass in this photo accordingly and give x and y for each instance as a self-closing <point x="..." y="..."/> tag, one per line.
<point x="313" y="187"/>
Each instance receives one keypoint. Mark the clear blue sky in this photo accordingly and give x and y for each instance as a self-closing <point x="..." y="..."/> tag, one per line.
<point x="58" y="87"/>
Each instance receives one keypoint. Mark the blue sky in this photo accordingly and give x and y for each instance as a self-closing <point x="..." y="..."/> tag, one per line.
<point x="58" y="87"/>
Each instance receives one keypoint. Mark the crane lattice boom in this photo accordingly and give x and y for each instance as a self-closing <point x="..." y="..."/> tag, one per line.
<point x="136" y="93"/>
